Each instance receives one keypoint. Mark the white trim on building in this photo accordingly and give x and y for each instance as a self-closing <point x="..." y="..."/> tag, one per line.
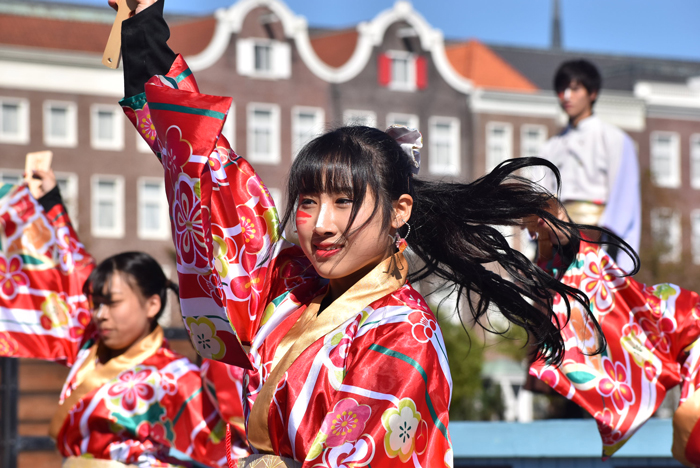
<point x="107" y="206"/>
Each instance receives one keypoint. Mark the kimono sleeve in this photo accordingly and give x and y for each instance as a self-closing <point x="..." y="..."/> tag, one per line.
<point x="650" y="333"/>
<point x="43" y="265"/>
<point x="392" y="405"/>
<point x="231" y="259"/>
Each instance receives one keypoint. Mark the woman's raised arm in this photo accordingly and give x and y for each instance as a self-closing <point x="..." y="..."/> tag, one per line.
<point x="43" y="265"/>
<point x="231" y="259"/>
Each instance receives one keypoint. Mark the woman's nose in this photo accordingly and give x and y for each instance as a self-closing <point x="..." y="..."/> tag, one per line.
<point x="324" y="220"/>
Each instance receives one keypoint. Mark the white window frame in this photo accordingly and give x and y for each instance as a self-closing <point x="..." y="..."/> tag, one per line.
<point x="491" y="159"/>
<point x="70" y="140"/>
<point x="274" y="157"/>
<point x="229" y="130"/>
<point x="117" y="142"/>
<point x="280" y="58"/>
<point x="454" y="167"/>
<point x="277" y="197"/>
<point x="69" y="194"/>
<point x="673" y="179"/>
<point x="360" y="117"/>
<point x="695" y="160"/>
<point x="411" y="83"/>
<point x="22" y="135"/>
<point x="524" y="130"/>
<point x="298" y="141"/>
<point x="163" y="233"/>
<point x="96" y="230"/>
<point x="667" y="221"/>
<point x="18" y="173"/>
<point x="412" y="119"/>
<point x="695" y="235"/>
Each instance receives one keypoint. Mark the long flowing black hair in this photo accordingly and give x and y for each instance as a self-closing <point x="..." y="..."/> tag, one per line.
<point x="453" y="231"/>
<point x="142" y="272"/>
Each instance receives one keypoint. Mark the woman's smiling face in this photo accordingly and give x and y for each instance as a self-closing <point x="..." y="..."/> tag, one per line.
<point x="322" y="220"/>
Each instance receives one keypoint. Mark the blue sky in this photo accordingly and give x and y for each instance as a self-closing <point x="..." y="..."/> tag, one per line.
<point x="657" y="28"/>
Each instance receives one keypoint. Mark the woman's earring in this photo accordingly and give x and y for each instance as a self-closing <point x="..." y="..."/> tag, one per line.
<point x="398" y="239"/>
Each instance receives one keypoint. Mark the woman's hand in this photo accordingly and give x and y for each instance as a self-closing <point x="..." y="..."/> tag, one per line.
<point x="548" y="237"/>
<point x="48" y="182"/>
<point x="140" y="5"/>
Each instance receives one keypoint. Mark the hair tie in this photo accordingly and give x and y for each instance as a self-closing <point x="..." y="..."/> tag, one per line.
<point x="410" y="140"/>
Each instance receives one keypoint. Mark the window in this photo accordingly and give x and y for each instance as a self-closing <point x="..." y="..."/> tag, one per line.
<point x="406" y="120"/>
<point x="665" y="159"/>
<point x="360" y="117"/>
<point x="11" y="176"/>
<point x="229" y="130"/>
<point x="263" y="58"/>
<point x="499" y="143"/>
<point x="695" y="161"/>
<point x="68" y="185"/>
<point x="153" y="209"/>
<point x="532" y="137"/>
<point x="107" y="214"/>
<point x="60" y="124"/>
<point x="307" y="123"/>
<point x="263" y="133"/>
<point x="14" y="120"/>
<point x="276" y="195"/>
<point x="666" y="232"/>
<point x="402" y="71"/>
<point x="444" y="145"/>
<point x="106" y="127"/>
<point x="695" y="235"/>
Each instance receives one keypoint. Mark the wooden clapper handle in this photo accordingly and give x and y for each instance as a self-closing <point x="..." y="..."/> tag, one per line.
<point x="113" y="50"/>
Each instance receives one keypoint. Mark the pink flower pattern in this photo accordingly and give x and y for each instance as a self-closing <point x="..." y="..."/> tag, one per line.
<point x="346" y="422"/>
<point x="189" y="228"/>
<point x="131" y="387"/>
<point x="658" y="334"/>
<point x="615" y="384"/>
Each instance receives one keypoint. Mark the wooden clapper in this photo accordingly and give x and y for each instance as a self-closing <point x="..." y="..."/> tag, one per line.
<point x="113" y="50"/>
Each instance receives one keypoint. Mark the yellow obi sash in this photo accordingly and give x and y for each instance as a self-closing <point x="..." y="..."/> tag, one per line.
<point x="82" y="462"/>
<point x="267" y="461"/>
<point x="582" y="212"/>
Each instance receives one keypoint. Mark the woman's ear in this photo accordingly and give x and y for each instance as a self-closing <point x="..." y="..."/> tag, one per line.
<point x="402" y="210"/>
<point x="153" y="306"/>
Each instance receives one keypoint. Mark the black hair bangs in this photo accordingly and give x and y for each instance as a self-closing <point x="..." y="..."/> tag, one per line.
<point x="97" y="288"/>
<point x="336" y="162"/>
<point x="579" y="71"/>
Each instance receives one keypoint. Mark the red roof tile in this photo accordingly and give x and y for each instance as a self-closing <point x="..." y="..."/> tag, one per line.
<point x="485" y="68"/>
<point x="186" y="37"/>
<point x="335" y="48"/>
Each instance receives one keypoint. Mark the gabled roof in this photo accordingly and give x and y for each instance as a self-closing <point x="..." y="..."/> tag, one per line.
<point x="476" y="62"/>
<point x="619" y="72"/>
<point x="335" y="48"/>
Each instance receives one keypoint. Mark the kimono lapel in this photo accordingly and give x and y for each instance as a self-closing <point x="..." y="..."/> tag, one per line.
<point x="89" y="378"/>
<point x="384" y="279"/>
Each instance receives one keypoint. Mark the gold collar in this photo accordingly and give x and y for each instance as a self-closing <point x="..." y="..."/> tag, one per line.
<point x="89" y="378"/>
<point x="384" y="279"/>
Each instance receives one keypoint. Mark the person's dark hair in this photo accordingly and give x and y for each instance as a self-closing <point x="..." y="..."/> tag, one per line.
<point x="453" y="230"/>
<point x="580" y="71"/>
<point x="142" y="272"/>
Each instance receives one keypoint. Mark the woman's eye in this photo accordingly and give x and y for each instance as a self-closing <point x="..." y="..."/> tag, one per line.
<point x="306" y="201"/>
<point x="344" y="201"/>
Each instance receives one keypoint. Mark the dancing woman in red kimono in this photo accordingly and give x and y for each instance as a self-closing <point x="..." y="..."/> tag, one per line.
<point x="128" y="399"/>
<point x="345" y="361"/>
<point x="653" y="344"/>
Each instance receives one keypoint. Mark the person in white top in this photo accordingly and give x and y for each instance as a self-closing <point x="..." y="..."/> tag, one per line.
<point x="598" y="161"/>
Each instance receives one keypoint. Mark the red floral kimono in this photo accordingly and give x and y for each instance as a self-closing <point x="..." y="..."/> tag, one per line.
<point x="147" y="407"/>
<point x="366" y="382"/>
<point x="652" y="345"/>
